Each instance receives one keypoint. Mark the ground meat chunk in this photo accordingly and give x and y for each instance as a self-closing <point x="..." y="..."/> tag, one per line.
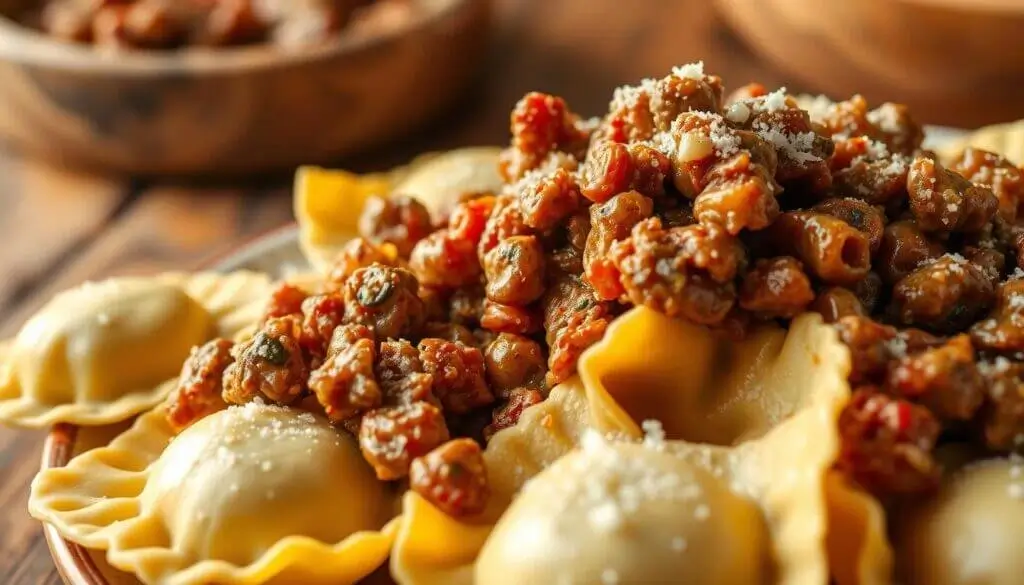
<point x="890" y="124"/>
<point x="991" y="261"/>
<point x="902" y="249"/>
<point x="943" y="201"/>
<point x="945" y="296"/>
<point x="682" y="272"/>
<point x="346" y="334"/>
<point x="739" y="194"/>
<point x="540" y="123"/>
<point x="944" y="379"/>
<point x="651" y="169"/>
<point x="607" y="171"/>
<point x="466" y="306"/>
<point x="321" y="315"/>
<point x="514" y="361"/>
<point x="870" y="291"/>
<point x="198" y="393"/>
<point x="442" y="260"/>
<point x="399" y="220"/>
<point x="515" y="271"/>
<point x="994" y="172"/>
<point x="505" y="221"/>
<point x="458" y="373"/>
<point x="345" y="384"/>
<point x="565" y="260"/>
<point x="549" y="200"/>
<point x="469" y="218"/>
<point x="270" y="365"/>
<point x="577" y="228"/>
<point x="449" y="332"/>
<point x="574" y="320"/>
<point x="830" y="248"/>
<point x="390" y="438"/>
<point x="452" y="477"/>
<point x="358" y="253"/>
<point x="506" y="416"/>
<point x="858" y="214"/>
<point x="886" y="444"/>
<point x="384" y="298"/>
<point x="803" y="148"/>
<point x="878" y="179"/>
<point x="1002" y="417"/>
<point x="776" y="287"/>
<point x="636" y="113"/>
<point x="609" y="222"/>
<point x="675" y="94"/>
<point x="835" y="302"/>
<point x="435" y="303"/>
<point x="285" y="299"/>
<point x="871" y="347"/>
<point x="1002" y="331"/>
<point x="400" y="373"/>
<point x="501" y="318"/>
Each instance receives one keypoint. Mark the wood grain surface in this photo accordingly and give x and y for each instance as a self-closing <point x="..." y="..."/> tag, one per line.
<point x="62" y="228"/>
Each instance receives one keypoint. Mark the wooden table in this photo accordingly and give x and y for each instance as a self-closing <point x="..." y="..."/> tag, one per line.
<point x="62" y="228"/>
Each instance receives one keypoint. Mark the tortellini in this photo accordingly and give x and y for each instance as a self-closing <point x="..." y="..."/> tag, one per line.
<point x="970" y="532"/>
<point x="328" y="203"/>
<point x="99" y="353"/>
<point x="751" y="425"/>
<point x="243" y="496"/>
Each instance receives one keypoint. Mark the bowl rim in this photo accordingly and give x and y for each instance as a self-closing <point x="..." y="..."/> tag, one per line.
<point x="72" y="561"/>
<point x="24" y="45"/>
<point x="988" y="7"/>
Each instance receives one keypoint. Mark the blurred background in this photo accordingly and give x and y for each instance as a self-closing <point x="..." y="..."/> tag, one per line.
<point x="126" y="160"/>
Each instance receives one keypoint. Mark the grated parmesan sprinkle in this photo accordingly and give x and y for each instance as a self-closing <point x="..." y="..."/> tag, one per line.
<point x="775" y="101"/>
<point x="818" y="107"/>
<point x="690" y="71"/>
<point x="618" y="486"/>
<point x="795" y="146"/>
<point x="885" y="118"/>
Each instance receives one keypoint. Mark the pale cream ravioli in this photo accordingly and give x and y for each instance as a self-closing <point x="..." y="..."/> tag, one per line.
<point x="732" y="486"/>
<point x="246" y="495"/>
<point x="970" y="532"/>
<point x="104" y="352"/>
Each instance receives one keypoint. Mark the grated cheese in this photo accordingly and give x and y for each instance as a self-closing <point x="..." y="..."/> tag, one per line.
<point x="818" y="107"/>
<point x="690" y="71"/>
<point x="795" y="146"/>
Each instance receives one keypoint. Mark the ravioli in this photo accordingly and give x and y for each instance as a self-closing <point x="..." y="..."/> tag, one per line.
<point x="102" y="352"/>
<point x="752" y="423"/>
<point x="328" y="202"/>
<point x="1006" y="139"/>
<point x="969" y="532"/>
<point x="245" y="495"/>
<point x="628" y="514"/>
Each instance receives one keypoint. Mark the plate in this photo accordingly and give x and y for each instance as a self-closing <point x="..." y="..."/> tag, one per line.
<point x="276" y="253"/>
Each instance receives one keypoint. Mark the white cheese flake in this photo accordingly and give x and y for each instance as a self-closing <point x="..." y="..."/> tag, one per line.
<point x="690" y="71"/>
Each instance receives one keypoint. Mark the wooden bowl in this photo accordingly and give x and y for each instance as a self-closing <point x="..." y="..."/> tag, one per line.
<point x="956" y="62"/>
<point x="237" y="110"/>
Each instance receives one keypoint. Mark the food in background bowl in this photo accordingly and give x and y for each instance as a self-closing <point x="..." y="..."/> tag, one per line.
<point x="248" y="109"/>
<point x="704" y="338"/>
<point x="169" y="24"/>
